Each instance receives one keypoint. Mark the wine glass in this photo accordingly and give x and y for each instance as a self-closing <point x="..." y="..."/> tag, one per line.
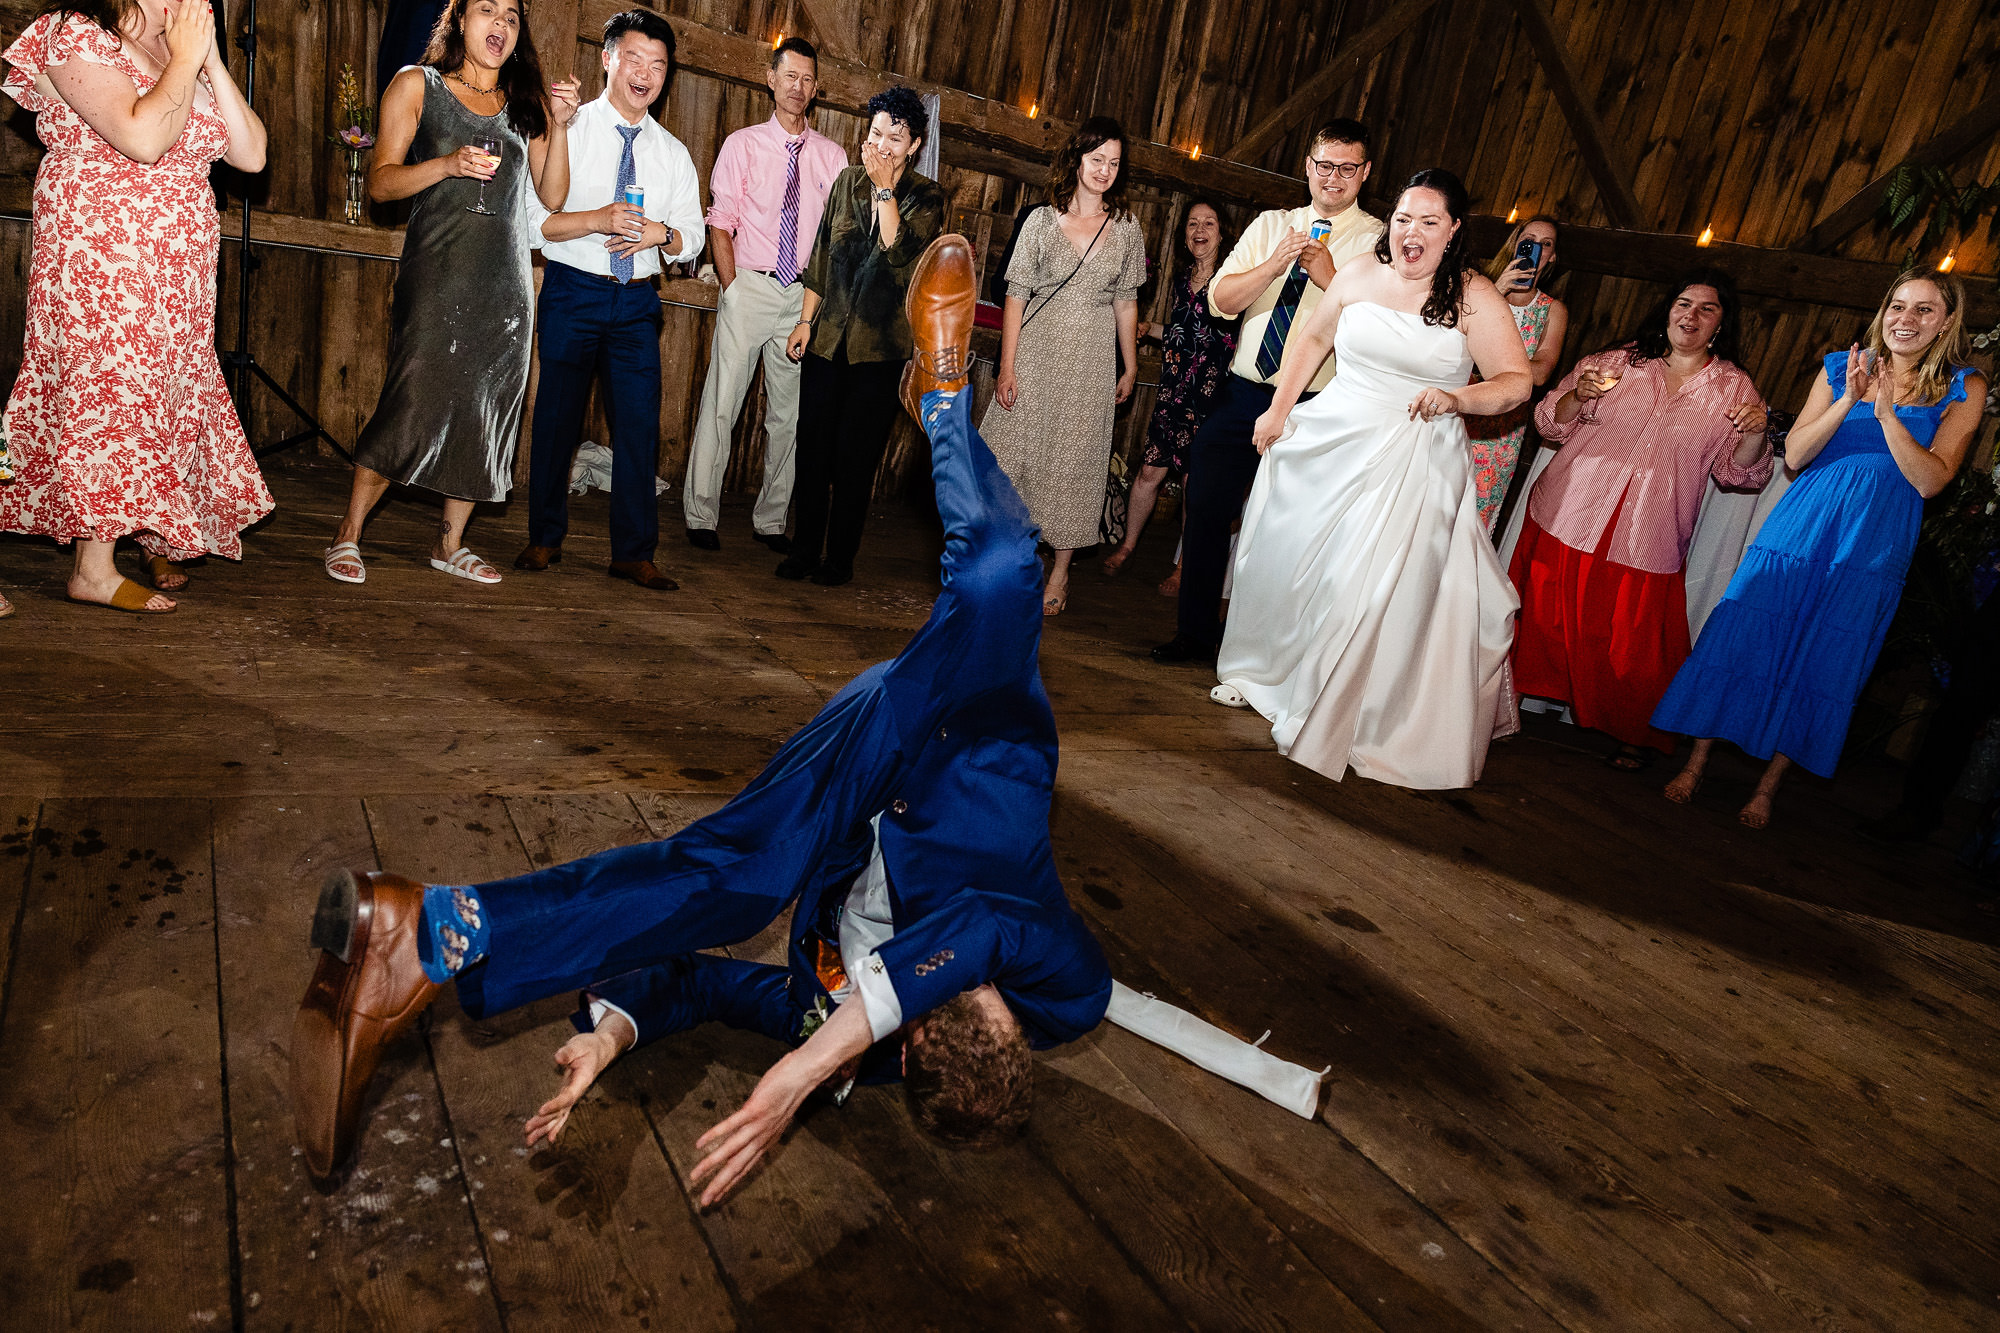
<point x="489" y="145"/>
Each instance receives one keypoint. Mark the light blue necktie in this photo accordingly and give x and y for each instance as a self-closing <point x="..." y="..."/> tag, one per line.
<point x="621" y="265"/>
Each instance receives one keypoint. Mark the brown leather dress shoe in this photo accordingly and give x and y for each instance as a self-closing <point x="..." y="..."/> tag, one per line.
<point x="939" y="304"/>
<point x="642" y="572"/>
<point x="368" y="987"/>
<point x="538" y="557"/>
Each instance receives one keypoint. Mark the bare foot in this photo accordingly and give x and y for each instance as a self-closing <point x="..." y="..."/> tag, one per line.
<point x="1682" y="789"/>
<point x="1170" y="586"/>
<point x="1116" y="561"/>
<point x="1756" y="812"/>
<point x="99" y="591"/>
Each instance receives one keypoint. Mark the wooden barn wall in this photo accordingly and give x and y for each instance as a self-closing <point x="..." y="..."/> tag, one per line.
<point x="1753" y="119"/>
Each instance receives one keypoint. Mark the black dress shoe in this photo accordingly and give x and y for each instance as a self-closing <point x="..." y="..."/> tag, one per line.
<point x="777" y="541"/>
<point x="830" y="575"/>
<point x="796" y="566"/>
<point x="704" y="539"/>
<point x="1179" y="649"/>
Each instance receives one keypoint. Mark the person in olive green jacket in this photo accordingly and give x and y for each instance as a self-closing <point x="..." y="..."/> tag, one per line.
<point x="852" y="343"/>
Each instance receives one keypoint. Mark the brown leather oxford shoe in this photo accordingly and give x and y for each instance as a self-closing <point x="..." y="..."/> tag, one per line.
<point x="535" y="558"/>
<point x="939" y="305"/>
<point x="368" y="987"/>
<point x="642" y="572"/>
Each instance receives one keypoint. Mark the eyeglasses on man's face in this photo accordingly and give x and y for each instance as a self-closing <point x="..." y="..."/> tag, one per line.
<point x="1327" y="170"/>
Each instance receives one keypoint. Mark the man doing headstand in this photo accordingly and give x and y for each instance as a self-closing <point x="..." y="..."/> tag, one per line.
<point x="905" y="826"/>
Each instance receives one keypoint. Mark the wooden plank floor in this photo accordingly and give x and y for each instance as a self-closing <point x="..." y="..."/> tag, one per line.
<point x="1598" y="1062"/>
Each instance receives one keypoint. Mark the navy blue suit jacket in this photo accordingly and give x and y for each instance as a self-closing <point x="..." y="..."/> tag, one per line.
<point x="951" y="742"/>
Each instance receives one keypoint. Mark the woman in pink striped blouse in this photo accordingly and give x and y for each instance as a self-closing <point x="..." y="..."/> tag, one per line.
<point x="1640" y="428"/>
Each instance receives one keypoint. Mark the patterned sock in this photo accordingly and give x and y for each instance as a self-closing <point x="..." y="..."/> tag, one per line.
<point x="454" y="933"/>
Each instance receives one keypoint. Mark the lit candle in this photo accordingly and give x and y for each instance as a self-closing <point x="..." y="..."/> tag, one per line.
<point x="1514" y="213"/>
<point x="1707" y="235"/>
<point x="1195" y="156"/>
<point x="1950" y="258"/>
<point x="1033" y="109"/>
<point x="777" y="41"/>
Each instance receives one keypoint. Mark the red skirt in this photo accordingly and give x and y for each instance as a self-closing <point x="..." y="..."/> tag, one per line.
<point x="1602" y="637"/>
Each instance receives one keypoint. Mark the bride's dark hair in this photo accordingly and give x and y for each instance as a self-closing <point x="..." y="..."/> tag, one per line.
<point x="1448" y="285"/>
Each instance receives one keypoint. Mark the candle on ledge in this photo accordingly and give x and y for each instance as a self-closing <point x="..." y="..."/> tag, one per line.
<point x="1707" y="235"/>
<point x="1950" y="258"/>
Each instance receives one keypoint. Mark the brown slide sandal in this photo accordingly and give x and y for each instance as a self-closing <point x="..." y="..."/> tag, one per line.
<point x="129" y="597"/>
<point x="159" y="568"/>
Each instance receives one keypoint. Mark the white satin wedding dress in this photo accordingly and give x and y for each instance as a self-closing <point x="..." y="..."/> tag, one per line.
<point x="1371" y="621"/>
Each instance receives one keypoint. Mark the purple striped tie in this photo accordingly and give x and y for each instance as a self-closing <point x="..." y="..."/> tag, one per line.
<point x="788" y="219"/>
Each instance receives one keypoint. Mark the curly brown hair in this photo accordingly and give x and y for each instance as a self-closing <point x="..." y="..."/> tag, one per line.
<point x="520" y="76"/>
<point x="1089" y="137"/>
<point x="970" y="1080"/>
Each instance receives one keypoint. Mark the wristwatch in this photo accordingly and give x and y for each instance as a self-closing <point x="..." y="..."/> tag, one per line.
<point x="883" y="192"/>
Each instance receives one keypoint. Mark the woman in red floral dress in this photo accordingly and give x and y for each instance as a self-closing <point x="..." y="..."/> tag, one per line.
<point x="120" y="423"/>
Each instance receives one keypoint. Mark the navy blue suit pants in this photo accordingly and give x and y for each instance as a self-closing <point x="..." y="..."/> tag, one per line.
<point x="588" y="326"/>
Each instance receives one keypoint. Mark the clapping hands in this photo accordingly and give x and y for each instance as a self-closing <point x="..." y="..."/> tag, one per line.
<point x="1861" y="373"/>
<point x="1749" y="418"/>
<point x="190" y="31"/>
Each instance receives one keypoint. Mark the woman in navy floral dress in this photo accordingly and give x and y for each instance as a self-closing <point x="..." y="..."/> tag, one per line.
<point x="1194" y="359"/>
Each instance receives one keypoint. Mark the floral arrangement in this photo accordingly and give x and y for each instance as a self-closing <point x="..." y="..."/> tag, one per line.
<point x="354" y="120"/>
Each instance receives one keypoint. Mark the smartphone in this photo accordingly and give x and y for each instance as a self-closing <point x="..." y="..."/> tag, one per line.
<point x="1529" y="253"/>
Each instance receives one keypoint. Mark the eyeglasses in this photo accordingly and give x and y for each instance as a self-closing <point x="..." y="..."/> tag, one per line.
<point x="1347" y="171"/>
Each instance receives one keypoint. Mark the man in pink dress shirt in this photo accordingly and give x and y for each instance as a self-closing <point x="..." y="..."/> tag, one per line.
<point x="769" y="185"/>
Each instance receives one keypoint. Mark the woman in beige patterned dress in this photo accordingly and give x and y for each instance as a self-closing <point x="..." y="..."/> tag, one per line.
<point x="1072" y="309"/>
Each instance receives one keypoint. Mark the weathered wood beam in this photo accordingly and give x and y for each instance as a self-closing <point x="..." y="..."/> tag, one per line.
<point x="1606" y="166"/>
<point x="1963" y="135"/>
<point x="845" y="86"/>
<point x="1347" y="61"/>
<point x="1785" y="275"/>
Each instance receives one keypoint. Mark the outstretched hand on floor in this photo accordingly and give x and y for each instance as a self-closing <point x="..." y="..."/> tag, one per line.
<point x="582" y="1058"/>
<point x="734" y="1148"/>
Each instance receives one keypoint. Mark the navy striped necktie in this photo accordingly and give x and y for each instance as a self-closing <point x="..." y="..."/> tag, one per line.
<point x="1272" y="350"/>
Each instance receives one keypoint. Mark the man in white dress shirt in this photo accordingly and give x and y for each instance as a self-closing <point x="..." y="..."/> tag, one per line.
<point x="599" y="301"/>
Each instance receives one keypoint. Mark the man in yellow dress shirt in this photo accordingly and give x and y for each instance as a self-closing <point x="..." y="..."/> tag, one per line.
<point x="1273" y="278"/>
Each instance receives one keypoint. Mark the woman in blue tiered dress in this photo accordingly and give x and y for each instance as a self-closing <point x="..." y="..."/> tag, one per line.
<point x="1781" y="661"/>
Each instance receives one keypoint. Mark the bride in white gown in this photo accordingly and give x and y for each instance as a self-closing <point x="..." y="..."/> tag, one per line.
<point x="1370" y="619"/>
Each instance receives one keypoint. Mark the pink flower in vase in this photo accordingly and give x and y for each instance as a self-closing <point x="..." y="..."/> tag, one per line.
<point x="355" y="137"/>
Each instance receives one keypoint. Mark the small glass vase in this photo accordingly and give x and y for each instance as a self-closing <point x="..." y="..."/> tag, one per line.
<point x="356" y="210"/>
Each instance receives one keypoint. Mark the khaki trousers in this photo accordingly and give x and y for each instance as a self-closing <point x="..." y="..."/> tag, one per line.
<point x="753" y="314"/>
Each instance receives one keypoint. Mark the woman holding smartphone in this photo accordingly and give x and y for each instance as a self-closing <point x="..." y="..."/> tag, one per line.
<point x="466" y="134"/>
<point x="1519" y="271"/>
<point x="1638" y="429"/>
<point x="1783" y="658"/>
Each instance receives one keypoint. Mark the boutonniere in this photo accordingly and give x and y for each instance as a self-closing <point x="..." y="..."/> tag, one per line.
<point x="815" y="1018"/>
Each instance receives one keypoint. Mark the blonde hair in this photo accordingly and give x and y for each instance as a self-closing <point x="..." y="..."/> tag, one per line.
<point x="1947" y="353"/>
<point x="1498" y="264"/>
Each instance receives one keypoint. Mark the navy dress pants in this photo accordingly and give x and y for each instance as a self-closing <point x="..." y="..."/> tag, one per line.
<point x="589" y="325"/>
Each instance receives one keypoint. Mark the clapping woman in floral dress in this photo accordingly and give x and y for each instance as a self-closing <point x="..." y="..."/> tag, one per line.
<point x="120" y="424"/>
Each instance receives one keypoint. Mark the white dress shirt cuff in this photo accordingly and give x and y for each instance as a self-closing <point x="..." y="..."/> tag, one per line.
<point x="878" y="997"/>
<point x="600" y="1008"/>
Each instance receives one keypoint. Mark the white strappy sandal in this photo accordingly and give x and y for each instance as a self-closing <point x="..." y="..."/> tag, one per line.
<point x="345" y="553"/>
<point x="465" y="565"/>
